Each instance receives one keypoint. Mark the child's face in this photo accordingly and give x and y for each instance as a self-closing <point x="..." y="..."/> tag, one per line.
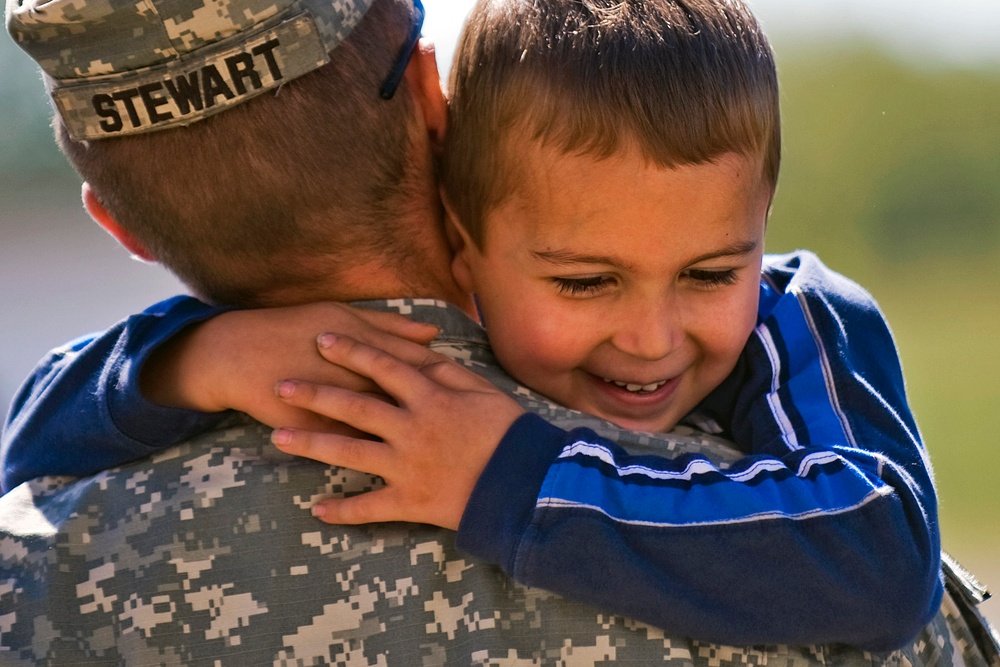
<point x="619" y="288"/>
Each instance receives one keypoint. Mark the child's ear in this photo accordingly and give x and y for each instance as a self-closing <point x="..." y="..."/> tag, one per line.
<point x="102" y="217"/>
<point x="462" y="248"/>
<point x="425" y="85"/>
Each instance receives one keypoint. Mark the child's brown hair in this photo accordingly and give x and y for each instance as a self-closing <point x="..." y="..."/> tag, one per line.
<point x="684" y="81"/>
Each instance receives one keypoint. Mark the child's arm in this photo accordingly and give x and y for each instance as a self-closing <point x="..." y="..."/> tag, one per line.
<point x="830" y="538"/>
<point x="168" y="373"/>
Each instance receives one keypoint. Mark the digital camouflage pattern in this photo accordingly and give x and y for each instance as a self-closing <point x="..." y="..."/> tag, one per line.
<point x="207" y="555"/>
<point x="117" y="67"/>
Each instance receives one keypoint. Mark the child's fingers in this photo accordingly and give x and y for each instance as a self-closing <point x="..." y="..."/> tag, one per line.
<point x="396" y="377"/>
<point x="455" y="376"/>
<point x="368" y="456"/>
<point x="398" y="325"/>
<point x="414" y="354"/>
<point x="292" y="417"/>
<point x="365" y="412"/>
<point x="371" y="507"/>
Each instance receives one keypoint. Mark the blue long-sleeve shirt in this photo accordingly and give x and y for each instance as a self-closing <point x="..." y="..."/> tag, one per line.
<point x="825" y="531"/>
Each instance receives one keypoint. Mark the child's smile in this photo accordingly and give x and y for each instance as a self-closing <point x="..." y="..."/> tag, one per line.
<point x="640" y="398"/>
<point x="620" y="288"/>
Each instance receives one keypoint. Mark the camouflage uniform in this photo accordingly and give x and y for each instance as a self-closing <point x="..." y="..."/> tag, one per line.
<point x="207" y="555"/>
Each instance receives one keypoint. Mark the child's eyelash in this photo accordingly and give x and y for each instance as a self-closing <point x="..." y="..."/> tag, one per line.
<point x="593" y="284"/>
<point x="712" y="278"/>
<point x="581" y="286"/>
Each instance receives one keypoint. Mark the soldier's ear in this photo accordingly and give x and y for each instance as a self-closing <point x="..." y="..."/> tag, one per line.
<point x="425" y="85"/>
<point x="102" y="217"/>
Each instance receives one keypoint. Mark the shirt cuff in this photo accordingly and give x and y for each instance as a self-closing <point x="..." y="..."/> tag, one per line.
<point x="147" y="423"/>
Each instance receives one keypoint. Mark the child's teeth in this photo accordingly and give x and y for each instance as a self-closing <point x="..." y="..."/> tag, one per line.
<point x="637" y="387"/>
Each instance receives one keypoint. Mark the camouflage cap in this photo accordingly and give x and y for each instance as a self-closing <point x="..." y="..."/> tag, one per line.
<point x="117" y="67"/>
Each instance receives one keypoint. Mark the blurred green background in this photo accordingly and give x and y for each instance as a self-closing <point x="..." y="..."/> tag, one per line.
<point x="891" y="173"/>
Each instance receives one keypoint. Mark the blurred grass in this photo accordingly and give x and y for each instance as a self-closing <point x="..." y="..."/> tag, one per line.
<point x="947" y="328"/>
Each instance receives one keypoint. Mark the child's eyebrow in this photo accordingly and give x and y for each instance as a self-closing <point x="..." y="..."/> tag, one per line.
<point x="567" y="257"/>
<point x="736" y="249"/>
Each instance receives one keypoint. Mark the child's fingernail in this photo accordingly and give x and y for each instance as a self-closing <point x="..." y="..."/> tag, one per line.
<point x="281" y="437"/>
<point x="319" y="511"/>
<point x="285" y="388"/>
<point x="326" y="340"/>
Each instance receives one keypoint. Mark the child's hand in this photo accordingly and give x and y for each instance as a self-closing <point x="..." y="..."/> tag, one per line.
<point x="435" y="442"/>
<point x="233" y="361"/>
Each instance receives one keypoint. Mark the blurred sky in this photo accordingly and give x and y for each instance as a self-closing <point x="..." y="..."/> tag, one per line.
<point x="927" y="30"/>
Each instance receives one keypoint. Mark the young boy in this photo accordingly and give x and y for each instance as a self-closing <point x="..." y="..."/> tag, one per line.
<point x="618" y="271"/>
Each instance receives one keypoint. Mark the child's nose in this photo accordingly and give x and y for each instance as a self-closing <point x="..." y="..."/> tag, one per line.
<point x="649" y="331"/>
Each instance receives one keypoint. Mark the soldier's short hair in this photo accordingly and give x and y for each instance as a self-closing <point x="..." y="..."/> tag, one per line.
<point x="303" y="171"/>
<point x="684" y="81"/>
